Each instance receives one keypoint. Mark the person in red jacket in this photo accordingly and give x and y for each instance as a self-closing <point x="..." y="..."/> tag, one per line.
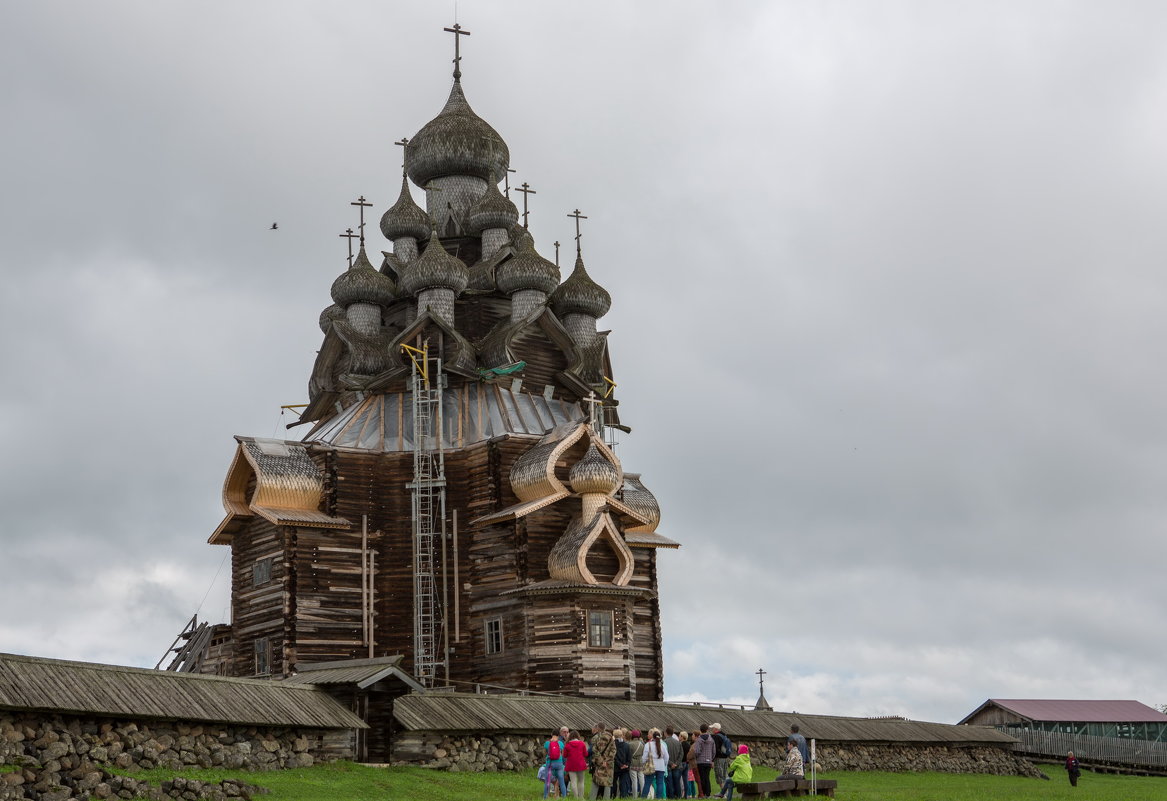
<point x="575" y="762"/>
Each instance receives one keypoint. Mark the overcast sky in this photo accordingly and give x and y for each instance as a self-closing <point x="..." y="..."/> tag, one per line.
<point x="888" y="311"/>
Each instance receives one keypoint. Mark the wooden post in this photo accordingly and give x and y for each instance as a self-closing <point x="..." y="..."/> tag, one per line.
<point x="457" y="586"/>
<point x="365" y="579"/>
<point x="372" y="602"/>
<point x="445" y="606"/>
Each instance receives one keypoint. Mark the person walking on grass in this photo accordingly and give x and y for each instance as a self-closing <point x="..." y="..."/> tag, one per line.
<point x="553" y="751"/>
<point x="1073" y="768"/>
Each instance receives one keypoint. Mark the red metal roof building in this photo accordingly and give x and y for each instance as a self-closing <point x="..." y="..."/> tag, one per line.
<point x="1123" y="719"/>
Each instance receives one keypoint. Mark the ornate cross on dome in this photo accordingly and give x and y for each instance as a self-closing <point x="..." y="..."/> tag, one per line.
<point x="362" y="204"/>
<point x="760" y="673"/>
<point x="458" y="32"/>
<point x="595" y="411"/>
<point x="404" y="144"/>
<point x="526" y="190"/>
<point x="577" y="217"/>
<point x="350" y="236"/>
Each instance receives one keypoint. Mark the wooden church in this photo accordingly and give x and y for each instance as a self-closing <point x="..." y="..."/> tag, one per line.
<point x="456" y="501"/>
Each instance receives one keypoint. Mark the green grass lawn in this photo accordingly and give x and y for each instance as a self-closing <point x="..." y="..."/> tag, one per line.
<point x="349" y="782"/>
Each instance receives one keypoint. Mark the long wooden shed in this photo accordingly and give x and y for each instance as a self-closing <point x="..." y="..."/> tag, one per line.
<point x="89" y="689"/>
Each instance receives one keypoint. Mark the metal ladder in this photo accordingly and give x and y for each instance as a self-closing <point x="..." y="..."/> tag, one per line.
<point x="429" y="511"/>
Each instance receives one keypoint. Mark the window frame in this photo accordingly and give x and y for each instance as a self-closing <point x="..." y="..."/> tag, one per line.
<point x="494" y="642"/>
<point x="598" y="628"/>
<point x="261" y="571"/>
<point x="263" y="656"/>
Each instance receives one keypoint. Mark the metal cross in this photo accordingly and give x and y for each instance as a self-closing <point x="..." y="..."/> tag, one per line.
<point x="526" y="190"/>
<point x="362" y="204"/>
<point x="596" y="412"/>
<point x="404" y="143"/>
<point x="577" y="217"/>
<point x="760" y="674"/>
<point x="556" y="253"/>
<point x="350" y="236"/>
<point x="458" y="32"/>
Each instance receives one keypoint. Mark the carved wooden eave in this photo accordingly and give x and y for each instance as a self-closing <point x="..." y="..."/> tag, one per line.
<point x="289" y="488"/>
<point x="460" y="356"/>
<point x="568" y="558"/>
<point x="495" y="350"/>
<point x="561" y="587"/>
<point x="482" y="271"/>
<point x="643" y="539"/>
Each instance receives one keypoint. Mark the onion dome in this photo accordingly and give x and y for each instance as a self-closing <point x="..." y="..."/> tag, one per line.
<point x="434" y="268"/>
<point x="330" y="314"/>
<point x="527" y="270"/>
<point x="405" y="218"/>
<point x="457" y="142"/>
<point x="361" y="283"/>
<point x="492" y="210"/>
<point x="594" y="473"/>
<point x="579" y="294"/>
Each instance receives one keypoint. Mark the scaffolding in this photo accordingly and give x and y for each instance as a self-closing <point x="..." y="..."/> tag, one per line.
<point x="428" y="490"/>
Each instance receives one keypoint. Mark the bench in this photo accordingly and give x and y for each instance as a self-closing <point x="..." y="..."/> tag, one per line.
<point x="783" y="788"/>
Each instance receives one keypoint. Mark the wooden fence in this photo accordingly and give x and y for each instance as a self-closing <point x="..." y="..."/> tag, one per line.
<point x="1091" y="750"/>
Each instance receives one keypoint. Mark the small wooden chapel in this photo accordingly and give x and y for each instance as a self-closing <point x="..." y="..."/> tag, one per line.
<point x="456" y="508"/>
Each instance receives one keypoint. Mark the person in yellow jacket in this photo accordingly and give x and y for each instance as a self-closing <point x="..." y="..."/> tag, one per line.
<point x="740" y="770"/>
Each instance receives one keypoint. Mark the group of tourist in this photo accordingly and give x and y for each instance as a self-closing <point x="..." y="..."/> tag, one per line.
<point x="630" y="763"/>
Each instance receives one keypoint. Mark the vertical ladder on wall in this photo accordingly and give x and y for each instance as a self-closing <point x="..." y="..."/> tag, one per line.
<point x="429" y="510"/>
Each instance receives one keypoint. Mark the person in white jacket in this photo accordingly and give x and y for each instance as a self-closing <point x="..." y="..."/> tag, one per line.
<point x="656" y="753"/>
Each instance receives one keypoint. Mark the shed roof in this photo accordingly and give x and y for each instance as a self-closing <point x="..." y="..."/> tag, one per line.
<point x="468" y="712"/>
<point x="86" y="688"/>
<point x="360" y="672"/>
<point x="1076" y="711"/>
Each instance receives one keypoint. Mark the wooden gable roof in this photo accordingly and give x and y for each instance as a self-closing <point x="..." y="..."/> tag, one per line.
<point x="86" y="688"/>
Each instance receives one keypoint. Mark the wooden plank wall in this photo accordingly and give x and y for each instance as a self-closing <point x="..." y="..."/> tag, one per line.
<point x="312" y="611"/>
<point x="258" y="612"/>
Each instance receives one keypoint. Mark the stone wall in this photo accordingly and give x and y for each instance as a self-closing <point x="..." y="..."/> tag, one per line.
<point x="525" y="752"/>
<point x="55" y="757"/>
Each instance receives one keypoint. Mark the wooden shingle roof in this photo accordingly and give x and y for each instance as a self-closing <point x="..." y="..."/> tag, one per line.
<point x="456" y="712"/>
<point x="86" y="688"/>
<point x="1071" y="711"/>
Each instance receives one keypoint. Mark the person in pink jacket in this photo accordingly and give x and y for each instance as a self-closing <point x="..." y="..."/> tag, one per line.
<point x="575" y="762"/>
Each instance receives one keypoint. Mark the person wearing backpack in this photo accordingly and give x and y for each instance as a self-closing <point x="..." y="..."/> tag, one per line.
<point x="553" y="753"/>
<point x="724" y="750"/>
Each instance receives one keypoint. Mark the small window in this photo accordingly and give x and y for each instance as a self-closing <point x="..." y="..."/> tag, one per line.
<point x="262" y="656"/>
<point x="600" y="629"/>
<point x="261" y="572"/>
<point x="494" y="636"/>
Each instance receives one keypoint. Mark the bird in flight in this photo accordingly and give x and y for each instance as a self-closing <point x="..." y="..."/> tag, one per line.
<point x="275" y="226"/>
